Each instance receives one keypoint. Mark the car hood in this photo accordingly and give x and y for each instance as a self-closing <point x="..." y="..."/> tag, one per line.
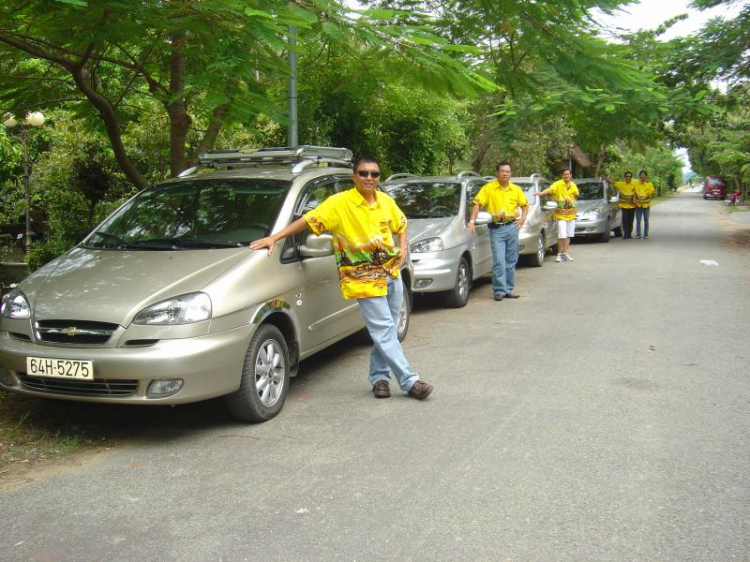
<point x="420" y="229"/>
<point x="589" y="205"/>
<point x="113" y="285"/>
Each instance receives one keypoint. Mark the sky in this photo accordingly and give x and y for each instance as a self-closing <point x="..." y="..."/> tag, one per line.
<point x="649" y="14"/>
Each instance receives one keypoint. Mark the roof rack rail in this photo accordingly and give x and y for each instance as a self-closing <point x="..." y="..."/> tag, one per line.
<point x="300" y="156"/>
<point x="401" y="176"/>
<point x="461" y="175"/>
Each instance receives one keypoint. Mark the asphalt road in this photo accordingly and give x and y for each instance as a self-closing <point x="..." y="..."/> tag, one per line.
<point x="603" y="416"/>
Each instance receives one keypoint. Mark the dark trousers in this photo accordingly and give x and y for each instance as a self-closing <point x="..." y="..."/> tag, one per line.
<point x="627" y="222"/>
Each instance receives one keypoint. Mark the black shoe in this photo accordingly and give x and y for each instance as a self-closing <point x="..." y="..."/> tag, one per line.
<point x="498" y="297"/>
<point x="421" y="390"/>
<point x="381" y="389"/>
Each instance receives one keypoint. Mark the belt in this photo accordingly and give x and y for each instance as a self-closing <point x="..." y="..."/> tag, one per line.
<point x="499" y="224"/>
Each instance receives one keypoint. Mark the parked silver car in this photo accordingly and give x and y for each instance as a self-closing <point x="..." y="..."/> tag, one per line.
<point x="446" y="257"/>
<point x="164" y="303"/>
<point x="539" y="232"/>
<point x="598" y="213"/>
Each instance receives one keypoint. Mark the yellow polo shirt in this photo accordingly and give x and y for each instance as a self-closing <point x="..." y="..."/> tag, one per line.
<point x="502" y="204"/>
<point x="559" y="191"/>
<point x="627" y="193"/>
<point x="366" y="252"/>
<point x="644" y="192"/>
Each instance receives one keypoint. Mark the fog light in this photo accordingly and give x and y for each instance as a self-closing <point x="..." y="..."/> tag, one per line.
<point x="7" y="377"/>
<point x="164" y="388"/>
<point x="423" y="283"/>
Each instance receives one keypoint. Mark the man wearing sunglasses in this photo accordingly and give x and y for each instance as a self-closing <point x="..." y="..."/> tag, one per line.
<point x="363" y="222"/>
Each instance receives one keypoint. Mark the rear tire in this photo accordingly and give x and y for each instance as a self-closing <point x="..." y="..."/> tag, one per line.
<point x="458" y="296"/>
<point x="404" y="315"/>
<point x="618" y="231"/>
<point x="265" y="377"/>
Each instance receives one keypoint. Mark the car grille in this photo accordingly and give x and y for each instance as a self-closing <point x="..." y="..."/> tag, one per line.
<point x="74" y="332"/>
<point x="101" y="387"/>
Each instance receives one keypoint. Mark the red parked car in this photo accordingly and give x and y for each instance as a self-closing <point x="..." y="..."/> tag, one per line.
<point x="714" y="187"/>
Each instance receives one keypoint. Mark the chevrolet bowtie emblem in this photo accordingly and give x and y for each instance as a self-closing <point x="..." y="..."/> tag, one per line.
<point x="72" y="331"/>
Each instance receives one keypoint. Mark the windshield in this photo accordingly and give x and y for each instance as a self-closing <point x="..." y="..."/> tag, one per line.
<point x="590" y="190"/>
<point x="528" y="188"/>
<point x="427" y="200"/>
<point x="195" y="214"/>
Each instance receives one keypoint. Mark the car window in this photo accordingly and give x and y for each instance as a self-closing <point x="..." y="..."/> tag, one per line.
<point x="193" y="215"/>
<point x="312" y="195"/>
<point x="427" y="199"/>
<point x="472" y="189"/>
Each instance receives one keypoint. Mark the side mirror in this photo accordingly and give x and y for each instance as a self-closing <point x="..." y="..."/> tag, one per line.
<point x="483" y="217"/>
<point x="614" y="199"/>
<point x="550" y="206"/>
<point x="317" y="246"/>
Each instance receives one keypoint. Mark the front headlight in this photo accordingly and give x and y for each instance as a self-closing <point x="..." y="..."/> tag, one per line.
<point x="427" y="245"/>
<point x="15" y="306"/>
<point x="186" y="309"/>
<point x="591" y="215"/>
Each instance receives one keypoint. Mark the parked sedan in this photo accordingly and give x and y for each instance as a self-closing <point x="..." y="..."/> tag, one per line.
<point x="165" y="304"/>
<point x="598" y="213"/>
<point x="446" y="257"/>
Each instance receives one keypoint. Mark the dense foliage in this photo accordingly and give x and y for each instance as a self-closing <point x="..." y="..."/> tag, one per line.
<point x="135" y="90"/>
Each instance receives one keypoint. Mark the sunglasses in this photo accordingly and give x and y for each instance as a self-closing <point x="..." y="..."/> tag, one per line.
<point x="368" y="173"/>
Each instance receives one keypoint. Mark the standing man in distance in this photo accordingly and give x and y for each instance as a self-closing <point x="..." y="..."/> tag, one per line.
<point x="644" y="192"/>
<point x="565" y="193"/>
<point x="503" y="200"/>
<point x="626" y="191"/>
<point x="363" y="222"/>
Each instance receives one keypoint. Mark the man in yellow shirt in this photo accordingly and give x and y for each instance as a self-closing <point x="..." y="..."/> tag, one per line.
<point x="565" y="193"/>
<point x="626" y="191"/>
<point x="504" y="201"/>
<point x="644" y="192"/>
<point x="363" y="222"/>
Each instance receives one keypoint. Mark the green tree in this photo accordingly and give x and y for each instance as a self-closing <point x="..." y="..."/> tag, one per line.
<point x="207" y="64"/>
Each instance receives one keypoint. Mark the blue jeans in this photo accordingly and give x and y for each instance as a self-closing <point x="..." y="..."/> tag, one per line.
<point x="641" y="212"/>
<point x="381" y="316"/>
<point x="504" y="243"/>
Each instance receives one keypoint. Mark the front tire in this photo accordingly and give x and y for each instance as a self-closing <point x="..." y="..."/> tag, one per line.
<point x="265" y="377"/>
<point x="458" y="296"/>
<point x="537" y="259"/>
<point x="604" y="236"/>
<point x="402" y="326"/>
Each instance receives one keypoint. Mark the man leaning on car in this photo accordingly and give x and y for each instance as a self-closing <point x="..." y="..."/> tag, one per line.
<point x="363" y="222"/>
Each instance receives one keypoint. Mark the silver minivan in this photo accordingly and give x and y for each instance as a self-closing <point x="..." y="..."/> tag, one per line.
<point x="163" y="303"/>
<point x="446" y="257"/>
<point x="539" y="232"/>
<point x="598" y="213"/>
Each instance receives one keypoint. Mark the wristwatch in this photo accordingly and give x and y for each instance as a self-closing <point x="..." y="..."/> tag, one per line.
<point x="472" y="221"/>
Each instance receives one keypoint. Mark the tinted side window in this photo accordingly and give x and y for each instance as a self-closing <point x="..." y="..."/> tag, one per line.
<point x="312" y="195"/>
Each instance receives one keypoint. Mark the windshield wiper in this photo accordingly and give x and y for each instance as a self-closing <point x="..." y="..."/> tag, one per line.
<point x="120" y="243"/>
<point x="179" y="244"/>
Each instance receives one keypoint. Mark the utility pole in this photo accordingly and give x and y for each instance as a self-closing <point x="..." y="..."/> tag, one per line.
<point x="292" y="130"/>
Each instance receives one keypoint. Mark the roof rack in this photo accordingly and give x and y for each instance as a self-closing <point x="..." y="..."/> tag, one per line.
<point x="299" y="156"/>
<point x="401" y="176"/>
<point x="461" y="175"/>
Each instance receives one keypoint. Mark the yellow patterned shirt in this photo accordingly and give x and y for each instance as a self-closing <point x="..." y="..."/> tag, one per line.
<point x="363" y="241"/>
<point x="559" y="191"/>
<point x="502" y="204"/>
<point x="644" y="192"/>
<point x="627" y="193"/>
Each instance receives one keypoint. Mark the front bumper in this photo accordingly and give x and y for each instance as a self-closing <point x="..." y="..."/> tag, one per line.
<point x="435" y="271"/>
<point x="209" y="366"/>
<point x="591" y="227"/>
<point x="528" y="242"/>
